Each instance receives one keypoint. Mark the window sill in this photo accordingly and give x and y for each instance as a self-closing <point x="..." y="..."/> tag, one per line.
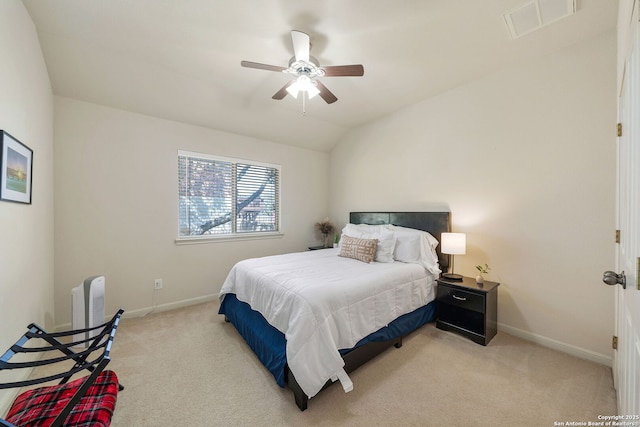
<point x="194" y="240"/>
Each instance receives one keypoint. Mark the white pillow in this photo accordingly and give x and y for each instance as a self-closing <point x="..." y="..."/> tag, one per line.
<point x="364" y="228"/>
<point x="415" y="246"/>
<point x="433" y="242"/>
<point x="408" y="246"/>
<point x="386" y="239"/>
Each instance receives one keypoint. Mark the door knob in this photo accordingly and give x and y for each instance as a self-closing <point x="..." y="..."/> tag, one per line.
<point x="612" y="278"/>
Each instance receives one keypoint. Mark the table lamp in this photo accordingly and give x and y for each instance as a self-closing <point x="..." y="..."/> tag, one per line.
<point x="453" y="244"/>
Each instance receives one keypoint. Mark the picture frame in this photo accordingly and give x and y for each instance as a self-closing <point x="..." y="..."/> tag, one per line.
<point x="16" y="168"/>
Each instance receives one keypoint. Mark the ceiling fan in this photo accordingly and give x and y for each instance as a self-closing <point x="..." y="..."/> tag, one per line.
<point x="307" y="70"/>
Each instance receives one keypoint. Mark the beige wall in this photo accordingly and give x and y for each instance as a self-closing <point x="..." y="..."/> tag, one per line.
<point x="26" y="242"/>
<point x="116" y="206"/>
<point x="525" y="161"/>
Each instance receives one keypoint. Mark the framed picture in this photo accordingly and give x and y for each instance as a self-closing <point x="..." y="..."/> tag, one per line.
<point x="16" y="165"/>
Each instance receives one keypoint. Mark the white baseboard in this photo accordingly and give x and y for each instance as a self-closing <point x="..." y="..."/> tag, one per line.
<point x="157" y="309"/>
<point x="557" y="345"/>
<point x="169" y="306"/>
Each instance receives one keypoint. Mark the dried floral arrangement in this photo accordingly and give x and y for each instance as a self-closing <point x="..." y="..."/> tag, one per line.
<point x="325" y="227"/>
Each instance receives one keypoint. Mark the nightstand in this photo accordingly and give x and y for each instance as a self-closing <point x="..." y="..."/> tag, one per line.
<point x="468" y="308"/>
<point x="315" y="248"/>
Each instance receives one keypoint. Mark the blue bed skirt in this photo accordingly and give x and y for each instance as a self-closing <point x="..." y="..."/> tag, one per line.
<point x="269" y="344"/>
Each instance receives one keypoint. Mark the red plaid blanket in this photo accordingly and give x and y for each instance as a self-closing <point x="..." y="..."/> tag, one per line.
<point x="39" y="407"/>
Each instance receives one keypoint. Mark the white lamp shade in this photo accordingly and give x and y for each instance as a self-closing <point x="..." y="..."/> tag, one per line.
<point x="454" y="243"/>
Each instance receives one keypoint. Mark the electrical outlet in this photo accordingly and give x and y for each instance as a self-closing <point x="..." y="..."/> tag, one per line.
<point x="157" y="284"/>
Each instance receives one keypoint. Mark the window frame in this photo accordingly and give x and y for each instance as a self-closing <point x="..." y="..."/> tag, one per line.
<point x="234" y="235"/>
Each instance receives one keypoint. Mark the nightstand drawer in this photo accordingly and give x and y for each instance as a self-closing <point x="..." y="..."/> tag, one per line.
<point x="468" y="308"/>
<point x="460" y="298"/>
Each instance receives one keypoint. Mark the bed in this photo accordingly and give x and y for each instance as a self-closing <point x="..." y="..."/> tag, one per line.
<point x="308" y="336"/>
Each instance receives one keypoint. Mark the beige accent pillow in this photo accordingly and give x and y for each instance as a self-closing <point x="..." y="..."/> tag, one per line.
<point x="361" y="249"/>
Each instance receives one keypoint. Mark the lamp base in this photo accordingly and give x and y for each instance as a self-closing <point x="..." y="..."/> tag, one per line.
<point x="451" y="276"/>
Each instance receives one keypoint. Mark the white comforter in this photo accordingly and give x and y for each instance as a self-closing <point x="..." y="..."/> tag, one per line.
<point x="323" y="302"/>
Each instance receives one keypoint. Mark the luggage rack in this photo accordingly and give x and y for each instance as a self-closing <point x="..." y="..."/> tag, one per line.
<point x="88" y="399"/>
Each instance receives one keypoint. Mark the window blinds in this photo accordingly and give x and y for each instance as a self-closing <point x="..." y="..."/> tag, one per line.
<point x="222" y="196"/>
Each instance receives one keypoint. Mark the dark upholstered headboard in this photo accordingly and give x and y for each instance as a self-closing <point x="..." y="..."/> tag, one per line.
<point x="435" y="223"/>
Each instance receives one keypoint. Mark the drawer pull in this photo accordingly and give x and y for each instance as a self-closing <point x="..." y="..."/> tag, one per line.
<point x="458" y="298"/>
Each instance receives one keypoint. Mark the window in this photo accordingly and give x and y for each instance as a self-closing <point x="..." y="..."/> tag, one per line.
<point x="222" y="197"/>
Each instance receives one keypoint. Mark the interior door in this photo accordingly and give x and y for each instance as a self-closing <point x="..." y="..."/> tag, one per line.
<point x="626" y="364"/>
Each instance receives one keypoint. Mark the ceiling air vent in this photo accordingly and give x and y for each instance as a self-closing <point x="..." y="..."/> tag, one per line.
<point x="535" y="14"/>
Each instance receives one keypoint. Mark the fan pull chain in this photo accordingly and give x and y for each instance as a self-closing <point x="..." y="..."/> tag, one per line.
<point x="304" y="104"/>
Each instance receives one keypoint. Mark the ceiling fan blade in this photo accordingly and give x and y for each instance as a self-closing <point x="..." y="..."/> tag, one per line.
<point x="282" y="92"/>
<point x="300" y="45"/>
<point x="343" y="70"/>
<point x="260" y="66"/>
<point x="325" y="93"/>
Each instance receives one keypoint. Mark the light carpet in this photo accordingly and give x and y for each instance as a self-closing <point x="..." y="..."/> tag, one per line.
<point x="187" y="367"/>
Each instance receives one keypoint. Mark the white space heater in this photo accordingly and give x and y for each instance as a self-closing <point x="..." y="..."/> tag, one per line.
<point x="87" y="305"/>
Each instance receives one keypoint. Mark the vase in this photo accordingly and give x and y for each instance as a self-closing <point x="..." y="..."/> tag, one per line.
<point x="479" y="279"/>
<point x="326" y="241"/>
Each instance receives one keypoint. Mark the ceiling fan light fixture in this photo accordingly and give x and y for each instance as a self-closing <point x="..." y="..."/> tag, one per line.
<point x="293" y="90"/>
<point x="312" y="90"/>
<point x="303" y="84"/>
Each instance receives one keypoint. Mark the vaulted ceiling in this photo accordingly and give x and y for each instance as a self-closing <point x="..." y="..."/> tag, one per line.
<point x="180" y="59"/>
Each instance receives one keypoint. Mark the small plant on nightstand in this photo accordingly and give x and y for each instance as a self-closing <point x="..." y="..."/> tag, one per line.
<point x="483" y="270"/>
